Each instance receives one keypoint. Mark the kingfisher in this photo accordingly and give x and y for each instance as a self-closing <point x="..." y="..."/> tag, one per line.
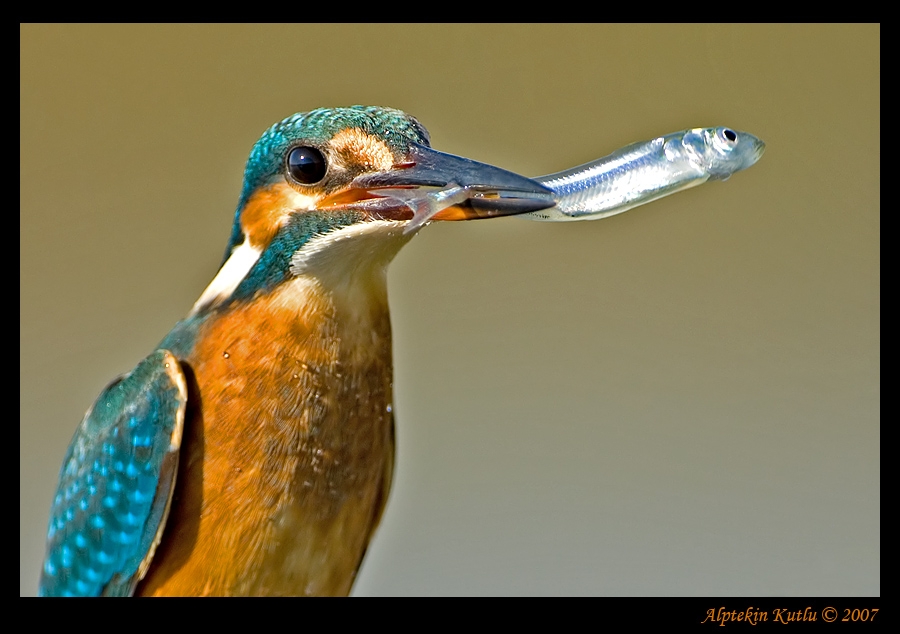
<point x="252" y="452"/>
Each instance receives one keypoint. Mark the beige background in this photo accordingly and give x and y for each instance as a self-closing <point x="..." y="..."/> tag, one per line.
<point x="680" y="400"/>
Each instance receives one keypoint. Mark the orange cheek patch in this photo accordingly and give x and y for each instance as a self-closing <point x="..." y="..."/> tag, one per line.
<point x="266" y="210"/>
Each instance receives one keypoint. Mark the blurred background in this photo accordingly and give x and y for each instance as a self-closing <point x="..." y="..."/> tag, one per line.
<point x="679" y="400"/>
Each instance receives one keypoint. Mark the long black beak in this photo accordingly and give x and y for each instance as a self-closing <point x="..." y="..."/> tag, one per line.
<point x="461" y="189"/>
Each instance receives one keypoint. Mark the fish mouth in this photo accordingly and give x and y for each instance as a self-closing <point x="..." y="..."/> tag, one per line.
<point x="754" y="151"/>
<point x="430" y="185"/>
<point x="758" y="150"/>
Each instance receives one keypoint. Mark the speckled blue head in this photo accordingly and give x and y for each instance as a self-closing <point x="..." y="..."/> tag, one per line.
<point x="267" y="158"/>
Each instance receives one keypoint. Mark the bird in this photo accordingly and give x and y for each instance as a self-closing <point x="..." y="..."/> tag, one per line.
<point x="251" y="453"/>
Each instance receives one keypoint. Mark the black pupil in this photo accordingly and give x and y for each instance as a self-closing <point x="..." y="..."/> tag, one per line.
<point x="730" y="135"/>
<point x="306" y="165"/>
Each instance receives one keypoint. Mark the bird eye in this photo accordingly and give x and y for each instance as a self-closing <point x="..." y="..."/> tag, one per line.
<point x="306" y="165"/>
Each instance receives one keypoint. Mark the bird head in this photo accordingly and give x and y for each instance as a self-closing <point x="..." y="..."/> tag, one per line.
<point x="364" y="178"/>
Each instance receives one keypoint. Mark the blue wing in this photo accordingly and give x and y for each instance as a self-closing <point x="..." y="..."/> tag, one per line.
<point x="116" y="483"/>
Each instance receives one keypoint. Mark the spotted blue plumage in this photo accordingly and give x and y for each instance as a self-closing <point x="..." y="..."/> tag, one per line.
<point x="115" y="483"/>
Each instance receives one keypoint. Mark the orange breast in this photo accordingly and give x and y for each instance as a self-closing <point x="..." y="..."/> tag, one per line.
<point x="287" y="453"/>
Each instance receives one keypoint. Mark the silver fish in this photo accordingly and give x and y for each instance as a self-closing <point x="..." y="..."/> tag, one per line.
<point x="632" y="176"/>
<point x="642" y="172"/>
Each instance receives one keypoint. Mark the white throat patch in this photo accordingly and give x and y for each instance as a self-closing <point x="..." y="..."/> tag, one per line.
<point x="339" y="254"/>
<point x="346" y="257"/>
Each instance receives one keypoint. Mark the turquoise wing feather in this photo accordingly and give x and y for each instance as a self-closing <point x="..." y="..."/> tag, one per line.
<point x="116" y="483"/>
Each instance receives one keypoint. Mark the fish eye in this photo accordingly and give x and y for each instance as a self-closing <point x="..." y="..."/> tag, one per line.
<point x="306" y="165"/>
<point x="730" y="135"/>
